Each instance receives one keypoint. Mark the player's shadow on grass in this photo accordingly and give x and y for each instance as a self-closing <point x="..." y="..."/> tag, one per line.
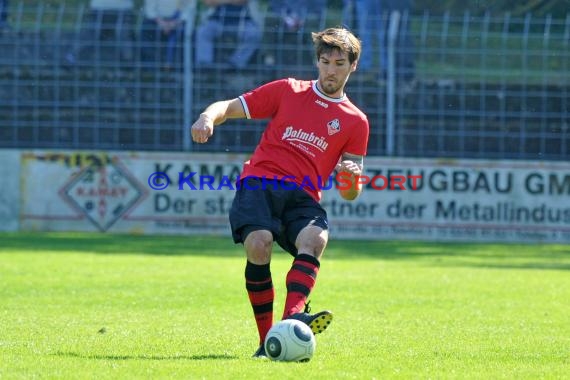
<point x="100" y="243"/>
<point x="147" y="357"/>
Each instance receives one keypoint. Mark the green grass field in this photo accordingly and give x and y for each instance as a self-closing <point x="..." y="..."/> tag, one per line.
<point x="100" y="306"/>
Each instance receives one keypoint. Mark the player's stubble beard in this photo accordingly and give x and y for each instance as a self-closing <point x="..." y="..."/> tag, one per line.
<point x="332" y="87"/>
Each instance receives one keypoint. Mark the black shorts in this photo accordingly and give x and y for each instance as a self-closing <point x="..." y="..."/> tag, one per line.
<point x="277" y="206"/>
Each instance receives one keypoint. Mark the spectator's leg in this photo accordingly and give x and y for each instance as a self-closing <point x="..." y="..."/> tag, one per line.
<point x="249" y="39"/>
<point x="171" y="46"/>
<point x="348" y="14"/>
<point x="88" y="34"/>
<point x="125" y="35"/>
<point x="97" y="34"/>
<point x="205" y="39"/>
<point x="150" y="42"/>
<point x="408" y="61"/>
<point x="179" y="56"/>
<point x="3" y="13"/>
<point x="108" y="40"/>
<point x="377" y="25"/>
<point x="271" y="38"/>
<point x="364" y="18"/>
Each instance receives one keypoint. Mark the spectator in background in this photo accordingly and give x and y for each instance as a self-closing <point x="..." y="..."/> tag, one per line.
<point x="405" y="64"/>
<point x="108" y="21"/>
<point x="163" y="31"/>
<point x="227" y="16"/>
<point x="292" y="14"/>
<point x="365" y="17"/>
<point x="3" y="14"/>
<point x="287" y="43"/>
<point x="370" y="19"/>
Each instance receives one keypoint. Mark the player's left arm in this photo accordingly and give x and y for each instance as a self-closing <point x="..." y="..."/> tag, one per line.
<point x="215" y="114"/>
<point x="349" y="169"/>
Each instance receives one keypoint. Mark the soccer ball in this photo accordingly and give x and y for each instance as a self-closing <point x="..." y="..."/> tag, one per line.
<point x="290" y="341"/>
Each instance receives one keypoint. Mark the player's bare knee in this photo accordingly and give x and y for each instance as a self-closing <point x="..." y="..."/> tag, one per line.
<point x="258" y="246"/>
<point x="313" y="241"/>
<point x="317" y="246"/>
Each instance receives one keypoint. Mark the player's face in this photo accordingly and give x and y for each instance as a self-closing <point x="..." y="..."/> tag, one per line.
<point x="334" y="70"/>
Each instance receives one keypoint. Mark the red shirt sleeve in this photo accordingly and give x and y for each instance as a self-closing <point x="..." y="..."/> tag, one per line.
<point x="358" y="142"/>
<point x="263" y="102"/>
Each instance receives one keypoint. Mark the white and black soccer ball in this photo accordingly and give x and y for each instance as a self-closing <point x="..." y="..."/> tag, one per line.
<point x="290" y="341"/>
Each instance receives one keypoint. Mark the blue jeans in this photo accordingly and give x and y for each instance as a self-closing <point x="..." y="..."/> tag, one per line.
<point x="157" y="47"/>
<point x="248" y="36"/>
<point x="3" y="13"/>
<point x="365" y="17"/>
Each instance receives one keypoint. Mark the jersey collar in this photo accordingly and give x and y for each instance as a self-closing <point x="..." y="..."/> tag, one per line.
<point x="328" y="98"/>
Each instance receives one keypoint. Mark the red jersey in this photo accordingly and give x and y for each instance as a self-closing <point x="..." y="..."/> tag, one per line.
<point x="307" y="134"/>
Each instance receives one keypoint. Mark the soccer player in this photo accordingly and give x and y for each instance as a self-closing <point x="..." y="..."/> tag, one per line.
<point x="313" y="130"/>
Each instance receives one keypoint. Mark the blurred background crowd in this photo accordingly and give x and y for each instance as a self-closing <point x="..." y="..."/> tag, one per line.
<point x="474" y="79"/>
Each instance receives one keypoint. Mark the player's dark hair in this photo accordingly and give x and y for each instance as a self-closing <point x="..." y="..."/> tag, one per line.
<point x="337" y="38"/>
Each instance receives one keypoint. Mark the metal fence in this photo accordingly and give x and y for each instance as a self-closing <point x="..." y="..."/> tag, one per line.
<point x="440" y="86"/>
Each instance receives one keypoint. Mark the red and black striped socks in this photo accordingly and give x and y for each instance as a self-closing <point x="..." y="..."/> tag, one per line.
<point x="261" y="295"/>
<point x="300" y="281"/>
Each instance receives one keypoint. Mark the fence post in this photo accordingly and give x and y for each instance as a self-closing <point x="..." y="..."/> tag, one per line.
<point x="524" y="93"/>
<point x="503" y="81"/>
<point x="391" y="85"/>
<point x="188" y="77"/>
<point x="564" y="115"/>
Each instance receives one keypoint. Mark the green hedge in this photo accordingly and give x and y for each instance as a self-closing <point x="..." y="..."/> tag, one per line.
<point x="558" y="8"/>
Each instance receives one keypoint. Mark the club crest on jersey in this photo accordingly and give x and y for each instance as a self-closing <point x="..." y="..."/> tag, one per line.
<point x="333" y="127"/>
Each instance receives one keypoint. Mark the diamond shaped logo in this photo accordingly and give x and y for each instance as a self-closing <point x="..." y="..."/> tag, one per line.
<point x="103" y="193"/>
<point x="333" y="126"/>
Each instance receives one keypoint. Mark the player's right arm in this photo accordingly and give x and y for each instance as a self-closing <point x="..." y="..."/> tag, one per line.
<point x="350" y="168"/>
<point x="215" y="114"/>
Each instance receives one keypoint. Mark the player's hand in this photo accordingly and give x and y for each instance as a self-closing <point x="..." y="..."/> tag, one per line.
<point x="348" y="166"/>
<point x="202" y="129"/>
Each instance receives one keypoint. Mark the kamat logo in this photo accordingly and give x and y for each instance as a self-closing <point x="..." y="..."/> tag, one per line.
<point x="103" y="193"/>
